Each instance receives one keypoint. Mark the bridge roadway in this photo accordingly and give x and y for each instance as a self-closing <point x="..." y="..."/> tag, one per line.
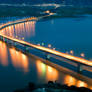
<point x="45" y="49"/>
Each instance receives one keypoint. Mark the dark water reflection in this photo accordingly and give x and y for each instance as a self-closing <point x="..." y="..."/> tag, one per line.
<point x="17" y="69"/>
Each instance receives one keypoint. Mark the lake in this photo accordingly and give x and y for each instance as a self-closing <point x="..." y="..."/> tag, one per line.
<point x="64" y="34"/>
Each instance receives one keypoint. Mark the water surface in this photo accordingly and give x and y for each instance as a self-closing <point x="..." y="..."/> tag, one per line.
<point x="18" y="69"/>
<point x="64" y="34"/>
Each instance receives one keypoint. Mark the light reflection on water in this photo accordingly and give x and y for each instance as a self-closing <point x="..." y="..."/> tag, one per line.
<point x="19" y="60"/>
<point x="25" y="68"/>
<point x="46" y="70"/>
<point x="69" y="80"/>
<point x="3" y="54"/>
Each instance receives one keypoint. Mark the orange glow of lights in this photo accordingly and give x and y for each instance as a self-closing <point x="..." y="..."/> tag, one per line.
<point x="49" y="69"/>
<point x="81" y="84"/>
<point x="54" y="48"/>
<point x="22" y="38"/>
<point x="25" y="62"/>
<point x="69" y="80"/>
<point x="19" y="60"/>
<point x="51" y="13"/>
<point x="90" y="88"/>
<point x="38" y="44"/>
<point x="3" y="54"/>
<point x="82" y="54"/>
<point x="47" y="11"/>
<point x="51" y="73"/>
<point x="71" y="52"/>
<point x="49" y="45"/>
<point x="41" y="68"/>
<point x="20" y="29"/>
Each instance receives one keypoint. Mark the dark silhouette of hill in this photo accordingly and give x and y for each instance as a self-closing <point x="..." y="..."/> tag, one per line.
<point x="30" y="1"/>
<point x="72" y="2"/>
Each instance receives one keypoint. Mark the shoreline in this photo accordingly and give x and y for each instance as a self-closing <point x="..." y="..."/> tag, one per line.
<point x="52" y="87"/>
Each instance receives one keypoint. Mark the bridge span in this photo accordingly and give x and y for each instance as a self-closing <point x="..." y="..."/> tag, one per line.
<point x="78" y="60"/>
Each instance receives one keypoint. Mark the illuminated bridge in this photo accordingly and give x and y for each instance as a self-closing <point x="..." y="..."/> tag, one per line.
<point x="65" y="60"/>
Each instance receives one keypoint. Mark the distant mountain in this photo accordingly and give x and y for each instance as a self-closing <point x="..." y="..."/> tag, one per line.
<point x="30" y="1"/>
<point x="71" y="2"/>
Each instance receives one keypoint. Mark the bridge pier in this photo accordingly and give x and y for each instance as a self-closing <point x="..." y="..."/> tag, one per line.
<point x="9" y="42"/>
<point x="5" y="40"/>
<point x="47" y="56"/>
<point x="26" y="48"/>
<point x="79" y="68"/>
<point x="1" y="38"/>
<point x="15" y="44"/>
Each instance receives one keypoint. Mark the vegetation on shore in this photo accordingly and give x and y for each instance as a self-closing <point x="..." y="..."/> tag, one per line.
<point x="52" y="87"/>
<point x="39" y="11"/>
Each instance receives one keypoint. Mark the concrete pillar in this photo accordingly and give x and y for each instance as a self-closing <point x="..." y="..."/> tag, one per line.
<point x="9" y="42"/>
<point x="79" y="68"/>
<point x="15" y="44"/>
<point x="1" y="38"/>
<point x="27" y="49"/>
<point x="5" y="39"/>
<point x="47" y="56"/>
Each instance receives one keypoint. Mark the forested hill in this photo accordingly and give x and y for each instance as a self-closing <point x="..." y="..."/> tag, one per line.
<point x="30" y="1"/>
<point x="72" y="2"/>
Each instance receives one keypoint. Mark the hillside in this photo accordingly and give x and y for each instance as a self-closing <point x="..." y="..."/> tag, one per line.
<point x="72" y="2"/>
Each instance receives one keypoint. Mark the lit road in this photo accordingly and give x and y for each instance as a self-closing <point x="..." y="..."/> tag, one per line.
<point x="17" y="22"/>
<point x="24" y="20"/>
<point x="45" y="49"/>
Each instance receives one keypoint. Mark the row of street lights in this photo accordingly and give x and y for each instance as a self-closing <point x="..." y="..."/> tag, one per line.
<point x="49" y="46"/>
<point x="71" y="51"/>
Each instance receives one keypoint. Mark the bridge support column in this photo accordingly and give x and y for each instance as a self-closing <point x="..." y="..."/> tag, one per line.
<point x="79" y="68"/>
<point x="47" y="56"/>
<point x="27" y="49"/>
<point x="15" y="44"/>
<point x="6" y="40"/>
<point x="1" y="38"/>
<point x="9" y="42"/>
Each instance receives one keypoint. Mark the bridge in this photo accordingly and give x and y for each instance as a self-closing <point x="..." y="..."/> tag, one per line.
<point x="82" y="65"/>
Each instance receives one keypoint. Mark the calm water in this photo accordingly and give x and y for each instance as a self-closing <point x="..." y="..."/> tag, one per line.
<point x="17" y="69"/>
<point x="64" y="34"/>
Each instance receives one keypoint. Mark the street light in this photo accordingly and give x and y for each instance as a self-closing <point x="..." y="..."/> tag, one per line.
<point x="16" y="36"/>
<point x="42" y="44"/>
<point x="71" y="52"/>
<point x="22" y="38"/>
<point x="38" y="44"/>
<point x="82" y="55"/>
<point x="54" y="48"/>
<point x="49" y="45"/>
<point x="47" y="11"/>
